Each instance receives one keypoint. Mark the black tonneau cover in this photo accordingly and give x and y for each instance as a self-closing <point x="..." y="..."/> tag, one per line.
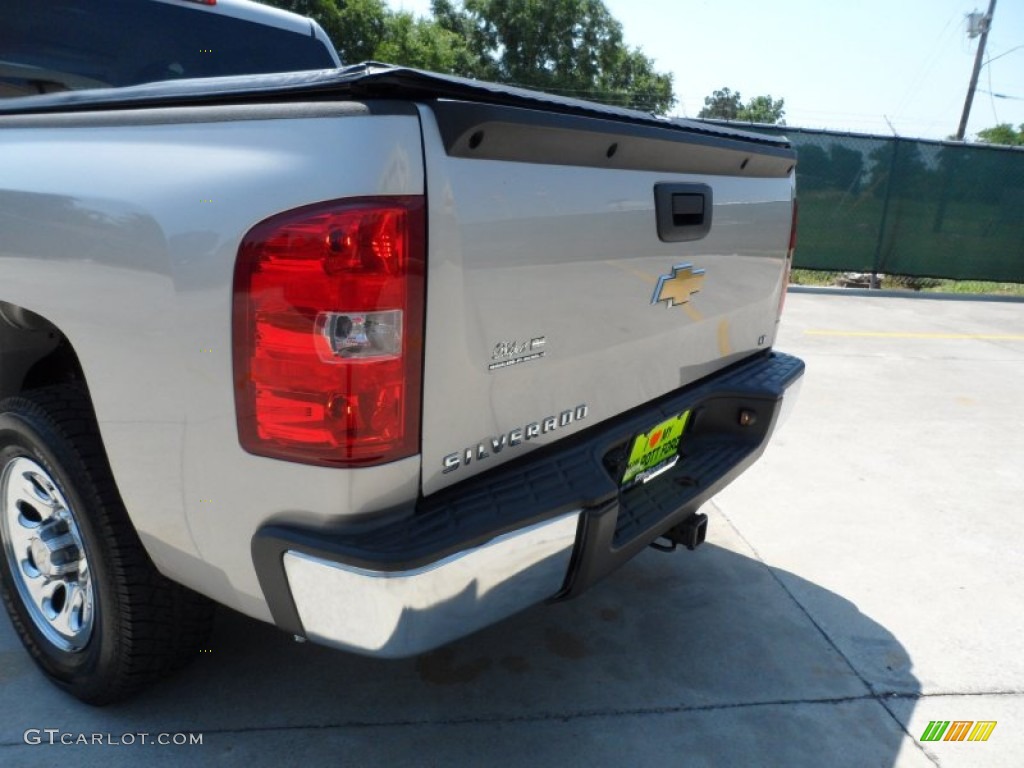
<point x="361" y="81"/>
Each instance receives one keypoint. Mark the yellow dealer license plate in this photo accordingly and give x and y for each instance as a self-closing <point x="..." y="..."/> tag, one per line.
<point x="655" y="451"/>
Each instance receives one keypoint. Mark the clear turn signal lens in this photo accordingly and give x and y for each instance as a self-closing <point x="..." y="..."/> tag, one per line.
<point x="359" y="335"/>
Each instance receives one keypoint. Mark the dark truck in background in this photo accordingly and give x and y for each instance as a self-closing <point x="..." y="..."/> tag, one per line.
<point x="58" y="45"/>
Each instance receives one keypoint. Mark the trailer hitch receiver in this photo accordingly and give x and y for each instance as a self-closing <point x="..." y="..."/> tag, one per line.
<point x="690" y="533"/>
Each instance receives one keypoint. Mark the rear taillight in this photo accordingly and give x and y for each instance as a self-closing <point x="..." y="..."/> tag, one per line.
<point x="328" y="332"/>
<point x="789" y="259"/>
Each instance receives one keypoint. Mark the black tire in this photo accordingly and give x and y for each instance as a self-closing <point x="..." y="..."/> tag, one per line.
<point x="143" y="625"/>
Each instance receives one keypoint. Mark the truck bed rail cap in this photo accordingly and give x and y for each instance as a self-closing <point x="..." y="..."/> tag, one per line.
<point x="365" y="80"/>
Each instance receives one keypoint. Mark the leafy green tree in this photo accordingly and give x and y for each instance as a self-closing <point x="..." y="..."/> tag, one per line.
<point x="356" y="27"/>
<point x="1003" y="133"/>
<point x="570" y="47"/>
<point x="425" y="44"/>
<point x="725" y="104"/>
<point x="722" y="104"/>
<point x="764" y="109"/>
<point x="635" y="83"/>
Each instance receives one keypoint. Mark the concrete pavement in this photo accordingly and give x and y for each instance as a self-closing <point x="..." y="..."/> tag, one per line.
<point x="864" y="578"/>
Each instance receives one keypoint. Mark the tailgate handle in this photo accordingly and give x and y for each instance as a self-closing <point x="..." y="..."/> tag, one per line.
<point x="683" y="211"/>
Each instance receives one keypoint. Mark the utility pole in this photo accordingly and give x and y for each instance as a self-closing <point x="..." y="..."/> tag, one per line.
<point x="986" y="24"/>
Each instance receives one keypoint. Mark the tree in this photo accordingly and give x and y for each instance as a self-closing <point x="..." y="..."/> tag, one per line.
<point x="764" y="109"/>
<point x="425" y="44"/>
<point x="722" y="104"/>
<point x="1003" y="134"/>
<point x="356" y="27"/>
<point x="725" y="104"/>
<point x="570" y="47"/>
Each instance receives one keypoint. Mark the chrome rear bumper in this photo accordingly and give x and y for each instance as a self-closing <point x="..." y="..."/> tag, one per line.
<point x="403" y="613"/>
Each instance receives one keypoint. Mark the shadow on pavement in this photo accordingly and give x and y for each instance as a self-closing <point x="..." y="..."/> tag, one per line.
<point x="702" y="656"/>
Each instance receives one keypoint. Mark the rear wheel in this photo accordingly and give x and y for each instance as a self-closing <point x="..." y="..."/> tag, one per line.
<point x="85" y="599"/>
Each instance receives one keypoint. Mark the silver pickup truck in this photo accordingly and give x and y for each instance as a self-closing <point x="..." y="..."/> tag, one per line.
<point x="376" y="355"/>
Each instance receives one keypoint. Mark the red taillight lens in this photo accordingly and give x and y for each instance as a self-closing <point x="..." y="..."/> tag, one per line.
<point x="328" y="332"/>
<point x="789" y="259"/>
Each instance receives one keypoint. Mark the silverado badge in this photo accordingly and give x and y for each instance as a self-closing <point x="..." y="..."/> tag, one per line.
<point x="676" y="287"/>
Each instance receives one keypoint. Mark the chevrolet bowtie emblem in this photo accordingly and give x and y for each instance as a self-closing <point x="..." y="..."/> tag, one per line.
<point x="676" y="287"/>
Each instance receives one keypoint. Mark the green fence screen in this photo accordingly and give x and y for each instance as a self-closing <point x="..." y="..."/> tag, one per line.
<point x="912" y="207"/>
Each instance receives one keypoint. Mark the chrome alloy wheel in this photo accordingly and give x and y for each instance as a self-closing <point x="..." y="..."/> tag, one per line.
<point x="45" y="553"/>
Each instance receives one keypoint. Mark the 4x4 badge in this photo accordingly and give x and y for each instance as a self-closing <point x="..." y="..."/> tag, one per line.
<point x="676" y="287"/>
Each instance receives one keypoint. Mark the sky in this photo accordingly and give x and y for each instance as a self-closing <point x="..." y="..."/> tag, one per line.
<point x="871" y="66"/>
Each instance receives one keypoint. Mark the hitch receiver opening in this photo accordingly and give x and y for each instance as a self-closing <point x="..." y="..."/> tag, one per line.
<point x="690" y="533"/>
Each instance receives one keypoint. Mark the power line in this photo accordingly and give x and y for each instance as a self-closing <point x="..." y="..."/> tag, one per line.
<point x="1004" y="53"/>
<point x="1002" y="96"/>
<point x="991" y="96"/>
<point x="913" y="90"/>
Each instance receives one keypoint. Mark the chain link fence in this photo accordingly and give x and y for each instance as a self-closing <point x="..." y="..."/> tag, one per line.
<point x="909" y="207"/>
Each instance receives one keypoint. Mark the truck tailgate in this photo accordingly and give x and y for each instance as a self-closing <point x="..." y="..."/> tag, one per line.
<point x="556" y="299"/>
